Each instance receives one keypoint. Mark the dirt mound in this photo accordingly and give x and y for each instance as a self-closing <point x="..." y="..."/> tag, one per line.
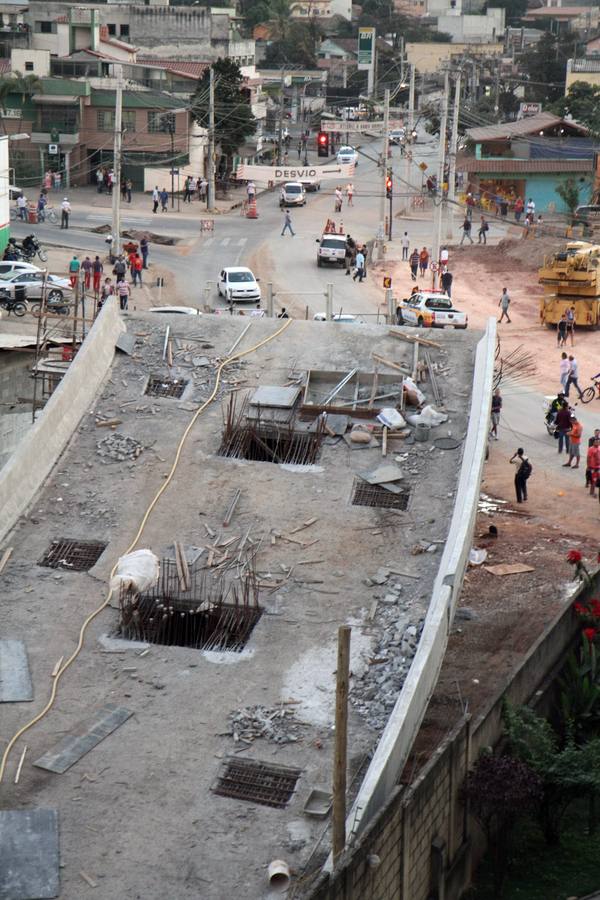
<point x="135" y="235"/>
<point x="529" y="254"/>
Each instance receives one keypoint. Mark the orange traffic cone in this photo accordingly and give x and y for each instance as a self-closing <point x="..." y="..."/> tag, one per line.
<point x="252" y="211"/>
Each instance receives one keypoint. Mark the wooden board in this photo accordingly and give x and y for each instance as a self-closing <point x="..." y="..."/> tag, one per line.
<point x="84" y="738"/>
<point x="509" y="569"/>
<point x="28" y="854"/>
<point x="15" y="679"/>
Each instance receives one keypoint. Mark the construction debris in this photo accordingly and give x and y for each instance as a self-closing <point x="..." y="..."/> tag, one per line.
<point x="278" y="725"/>
<point x="119" y="447"/>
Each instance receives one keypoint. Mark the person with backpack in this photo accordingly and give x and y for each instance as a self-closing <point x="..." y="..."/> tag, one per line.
<point x="483" y="230"/>
<point x="522" y="475"/>
<point x="414" y="264"/>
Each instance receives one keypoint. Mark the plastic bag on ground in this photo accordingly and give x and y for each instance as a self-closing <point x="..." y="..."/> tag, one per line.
<point x="412" y="390"/>
<point x="427" y="416"/>
<point x="391" y="418"/>
<point x="137" y="572"/>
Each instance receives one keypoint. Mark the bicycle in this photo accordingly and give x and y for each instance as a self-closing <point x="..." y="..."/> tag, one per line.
<point x="590" y="392"/>
<point x="49" y="216"/>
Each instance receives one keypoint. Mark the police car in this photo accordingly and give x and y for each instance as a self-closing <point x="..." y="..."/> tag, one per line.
<point x="431" y="309"/>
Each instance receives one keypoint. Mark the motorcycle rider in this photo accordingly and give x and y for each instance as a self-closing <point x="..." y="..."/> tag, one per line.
<point x="554" y="408"/>
<point x="29" y="245"/>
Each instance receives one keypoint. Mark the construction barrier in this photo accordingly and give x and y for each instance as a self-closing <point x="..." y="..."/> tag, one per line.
<point x="252" y="212"/>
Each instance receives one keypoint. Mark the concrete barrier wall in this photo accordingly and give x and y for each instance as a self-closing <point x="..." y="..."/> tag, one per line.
<point x="400" y="732"/>
<point x="32" y="461"/>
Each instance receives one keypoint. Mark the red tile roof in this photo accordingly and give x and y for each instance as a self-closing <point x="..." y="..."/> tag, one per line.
<point x="4" y="65"/>
<point x="524" y="166"/>
<point x="192" y="68"/>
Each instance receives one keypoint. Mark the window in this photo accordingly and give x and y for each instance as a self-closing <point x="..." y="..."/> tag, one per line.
<point x="29" y="67"/>
<point x="46" y="27"/>
<point x="106" y="120"/>
<point x="59" y="118"/>
<point x="112" y="30"/>
<point x="160" y="122"/>
<point x="124" y="30"/>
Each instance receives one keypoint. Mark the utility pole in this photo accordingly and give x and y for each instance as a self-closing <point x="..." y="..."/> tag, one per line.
<point x="280" y="135"/>
<point x="340" y="764"/>
<point x="118" y="139"/>
<point x="411" y="99"/>
<point x="453" y="149"/>
<point x="384" y="165"/>
<point x="210" y="192"/>
<point x="439" y="210"/>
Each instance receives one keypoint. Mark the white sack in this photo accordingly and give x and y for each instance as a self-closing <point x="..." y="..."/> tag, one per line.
<point x="137" y="571"/>
<point x="428" y="416"/>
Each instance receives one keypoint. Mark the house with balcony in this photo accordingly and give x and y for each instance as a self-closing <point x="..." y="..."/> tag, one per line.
<point x="528" y="158"/>
<point x="14" y="30"/>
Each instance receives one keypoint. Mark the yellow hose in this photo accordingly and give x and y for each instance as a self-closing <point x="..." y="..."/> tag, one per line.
<point x="138" y="535"/>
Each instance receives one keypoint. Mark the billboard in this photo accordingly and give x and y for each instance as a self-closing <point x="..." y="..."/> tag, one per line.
<point x="360" y="127"/>
<point x="278" y="174"/>
<point x="366" y="48"/>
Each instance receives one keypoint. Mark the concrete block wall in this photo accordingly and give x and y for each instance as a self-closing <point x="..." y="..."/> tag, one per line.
<point x="26" y="471"/>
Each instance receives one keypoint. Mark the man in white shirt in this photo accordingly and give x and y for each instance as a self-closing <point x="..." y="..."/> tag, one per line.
<point x="22" y="207"/>
<point x="405" y="244"/>
<point x="65" y="213"/>
<point x="155" y="199"/>
<point x="573" y="376"/>
<point x="530" y="207"/>
<point x="444" y="257"/>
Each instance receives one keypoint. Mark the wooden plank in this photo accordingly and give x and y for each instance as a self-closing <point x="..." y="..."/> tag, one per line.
<point x="411" y="339"/>
<point x="28" y="854"/>
<point x="15" y="679"/>
<point x="183" y="572"/>
<point x="5" y="558"/>
<point x="509" y="569"/>
<point x="84" y="738"/>
<point x="384" y="441"/>
<point x="389" y="363"/>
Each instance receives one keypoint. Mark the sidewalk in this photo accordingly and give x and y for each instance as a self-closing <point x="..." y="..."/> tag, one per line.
<point x="89" y="198"/>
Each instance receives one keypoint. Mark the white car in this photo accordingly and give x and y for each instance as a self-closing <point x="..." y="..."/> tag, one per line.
<point x="238" y="283"/>
<point x="30" y="285"/>
<point x="347" y="156"/>
<point x="294" y="194"/>
<point x="432" y="309"/>
<point x="397" y="135"/>
<point x="176" y="310"/>
<point x="15" y="265"/>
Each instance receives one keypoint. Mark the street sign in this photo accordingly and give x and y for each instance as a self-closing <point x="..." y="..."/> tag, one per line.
<point x="276" y="174"/>
<point x="387" y="281"/>
<point x="52" y="149"/>
<point x="359" y="127"/>
<point x="529" y="109"/>
<point x="366" y="47"/>
<point x="174" y="172"/>
<point x="423" y="166"/>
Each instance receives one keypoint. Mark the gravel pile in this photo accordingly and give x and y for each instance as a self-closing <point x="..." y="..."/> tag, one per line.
<point x="252" y="722"/>
<point x="119" y="447"/>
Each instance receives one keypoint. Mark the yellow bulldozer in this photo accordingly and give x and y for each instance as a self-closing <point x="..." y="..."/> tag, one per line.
<point x="571" y="278"/>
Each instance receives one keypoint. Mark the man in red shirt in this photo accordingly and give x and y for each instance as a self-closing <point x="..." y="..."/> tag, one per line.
<point x="574" y="442"/>
<point x="593" y="464"/>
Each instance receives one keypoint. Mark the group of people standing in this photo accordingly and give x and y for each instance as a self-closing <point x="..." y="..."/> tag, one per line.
<point x="420" y="261"/>
<point x="194" y="188"/>
<point x="355" y="257"/>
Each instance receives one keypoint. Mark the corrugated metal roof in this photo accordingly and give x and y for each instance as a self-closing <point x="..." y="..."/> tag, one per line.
<point x="523" y="166"/>
<point x="529" y="125"/>
<point x="136" y="100"/>
<point x="193" y="68"/>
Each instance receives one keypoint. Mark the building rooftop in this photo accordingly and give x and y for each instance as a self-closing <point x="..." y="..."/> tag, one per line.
<point x="518" y="166"/>
<point x="318" y="543"/>
<point x="504" y="131"/>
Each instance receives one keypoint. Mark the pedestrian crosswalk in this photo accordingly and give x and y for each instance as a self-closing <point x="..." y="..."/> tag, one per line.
<point x="224" y="242"/>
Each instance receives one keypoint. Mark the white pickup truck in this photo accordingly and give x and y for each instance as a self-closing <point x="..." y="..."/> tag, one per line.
<point x="332" y="249"/>
<point x="432" y="309"/>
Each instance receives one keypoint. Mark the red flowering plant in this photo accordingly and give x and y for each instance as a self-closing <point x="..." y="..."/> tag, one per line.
<point x="587" y="610"/>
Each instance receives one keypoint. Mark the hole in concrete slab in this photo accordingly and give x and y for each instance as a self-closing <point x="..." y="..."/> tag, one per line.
<point x="364" y="494"/>
<point x="257" y="782"/>
<point x="211" y="614"/>
<point x="79" y="556"/>
<point x="274" y="445"/>
<point x="166" y="387"/>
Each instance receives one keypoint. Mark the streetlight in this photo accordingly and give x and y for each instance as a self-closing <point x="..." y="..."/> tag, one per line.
<point x="167" y="125"/>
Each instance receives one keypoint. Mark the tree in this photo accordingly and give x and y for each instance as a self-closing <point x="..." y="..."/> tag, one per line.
<point x="297" y="49"/>
<point x="568" y="191"/>
<point x="582" y="103"/>
<point x="515" y="9"/>
<point x="234" y="121"/>
<point x="17" y="83"/>
<point x="500" y="790"/>
<point x="546" y="67"/>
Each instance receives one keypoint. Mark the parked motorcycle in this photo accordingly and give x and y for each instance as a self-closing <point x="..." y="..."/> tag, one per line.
<point x="18" y="307"/>
<point x="55" y="306"/>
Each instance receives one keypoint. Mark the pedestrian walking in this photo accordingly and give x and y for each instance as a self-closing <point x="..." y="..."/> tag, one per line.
<point x="524" y="470"/>
<point x="187" y="190"/>
<point x="561" y="333"/>
<point x="466" y="229"/>
<point x="128" y="189"/>
<point x="108" y="290"/>
<point x="470" y="202"/>
<point x="405" y="244"/>
<point x="41" y="207"/>
<point x="155" y="199"/>
<point x="123" y="188"/>
<point x="446" y="279"/>
<point x="570" y="317"/>
<point x="483" y="230"/>
<point x="164" y="200"/>
<point x="144" y="249"/>
<point x="496" y="409"/>
<point x="414" y="264"/>
<point x="573" y="377"/>
<point x="339" y="199"/>
<point x="591" y="441"/>
<point x="47" y="180"/>
<point x="251" y="191"/>
<point x="530" y="209"/>
<point x="444" y="256"/>
<point x="504" y="303"/>
<point x="350" y="193"/>
<point x="564" y="367"/>
<point x="57" y="179"/>
<point x="120" y="268"/>
<point x="359" y="271"/>
<point x="22" y="207"/>
<point x="563" y="426"/>
<point x="574" y="443"/>
<point x="86" y="266"/>
<point x="287" y="224"/>
<point x="74" y="267"/>
<point x="349" y="254"/>
<point x="136" y="269"/>
<point x="593" y="464"/>
<point x="423" y="261"/>
<point x="519" y="207"/>
<point x="97" y="270"/>
<point x="123" y="292"/>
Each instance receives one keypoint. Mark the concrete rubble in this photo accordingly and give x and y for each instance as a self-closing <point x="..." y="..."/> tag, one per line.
<point x="119" y="447"/>
<point x="279" y="725"/>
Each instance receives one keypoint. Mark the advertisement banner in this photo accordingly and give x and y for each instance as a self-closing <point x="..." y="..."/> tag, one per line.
<point x="281" y="174"/>
<point x="359" y="127"/>
<point x="366" y="47"/>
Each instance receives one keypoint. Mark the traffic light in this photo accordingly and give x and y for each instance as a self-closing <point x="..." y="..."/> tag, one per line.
<point x="389" y="184"/>
<point x="323" y="144"/>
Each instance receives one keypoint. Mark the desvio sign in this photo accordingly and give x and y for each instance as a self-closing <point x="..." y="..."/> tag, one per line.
<point x="265" y="174"/>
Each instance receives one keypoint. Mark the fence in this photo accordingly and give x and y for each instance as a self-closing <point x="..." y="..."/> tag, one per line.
<point x="422" y="845"/>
